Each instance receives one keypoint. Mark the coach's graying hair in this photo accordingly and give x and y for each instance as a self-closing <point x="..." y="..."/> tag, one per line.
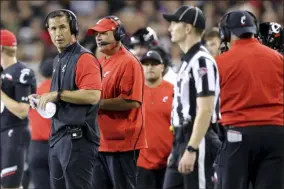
<point x="58" y="13"/>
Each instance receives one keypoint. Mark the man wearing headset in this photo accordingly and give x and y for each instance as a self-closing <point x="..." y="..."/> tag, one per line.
<point x="121" y="117"/>
<point x="251" y="81"/>
<point x="75" y="89"/>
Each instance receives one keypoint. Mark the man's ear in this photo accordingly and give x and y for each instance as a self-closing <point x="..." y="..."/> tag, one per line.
<point x="163" y="67"/>
<point x="74" y="38"/>
<point x="188" y="28"/>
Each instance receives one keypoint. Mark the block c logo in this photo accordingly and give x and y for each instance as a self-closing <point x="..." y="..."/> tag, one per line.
<point x="243" y="20"/>
<point x="24" y="72"/>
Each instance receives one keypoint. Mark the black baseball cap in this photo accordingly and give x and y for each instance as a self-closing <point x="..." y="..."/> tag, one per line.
<point x="152" y="55"/>
<point x="188" y="14"/>
<point x="241" y="22"/>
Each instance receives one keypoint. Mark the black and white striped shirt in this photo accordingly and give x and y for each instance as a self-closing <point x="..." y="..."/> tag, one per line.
<point x="198" y="76"/>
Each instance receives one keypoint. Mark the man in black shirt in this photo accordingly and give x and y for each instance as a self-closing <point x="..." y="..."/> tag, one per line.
<point x="75" y="89"/>
<point x="17" y="83"/>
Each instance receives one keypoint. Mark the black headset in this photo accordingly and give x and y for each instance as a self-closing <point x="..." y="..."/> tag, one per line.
<point x="74" y="29"/>
<point x="225" y="30"/>
<point x="119" y="31"/>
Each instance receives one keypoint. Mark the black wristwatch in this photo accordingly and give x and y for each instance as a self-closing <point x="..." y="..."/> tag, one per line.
<point x="191" y="149"/>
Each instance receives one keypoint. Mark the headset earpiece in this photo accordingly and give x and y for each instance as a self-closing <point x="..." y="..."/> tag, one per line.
<point x="224" y="29"/>
<point x="226" y="33"/>
<point x="73" y="23"/>
<point x="119" y="31"/>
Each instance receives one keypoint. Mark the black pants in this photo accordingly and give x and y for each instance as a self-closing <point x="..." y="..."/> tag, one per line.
<point x="115" y="170"/>
<point x="257" y="158"/>
<point x="150" y="179"/>
<point x="14" y="146"/>
<point x="201" y="177"/>
<point x="72" y="163"/>
<point x="26" y="178"/>
<point x="38" y="164"/>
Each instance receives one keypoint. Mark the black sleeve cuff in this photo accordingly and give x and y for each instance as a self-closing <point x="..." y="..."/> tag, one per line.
<point x="206" y="93"/>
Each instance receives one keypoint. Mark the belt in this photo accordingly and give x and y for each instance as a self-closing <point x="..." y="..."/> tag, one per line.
<point x="68" y="128"/>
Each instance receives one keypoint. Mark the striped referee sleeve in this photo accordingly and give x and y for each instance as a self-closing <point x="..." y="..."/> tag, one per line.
<point x="204" y="73"/>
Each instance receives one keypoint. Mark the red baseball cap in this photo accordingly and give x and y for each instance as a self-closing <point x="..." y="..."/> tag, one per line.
<point x="103" y="25"/>
<point x="7" y="38"/>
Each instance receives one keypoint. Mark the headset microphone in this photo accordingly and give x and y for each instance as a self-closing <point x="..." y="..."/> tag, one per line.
<point x="104" y="43"/>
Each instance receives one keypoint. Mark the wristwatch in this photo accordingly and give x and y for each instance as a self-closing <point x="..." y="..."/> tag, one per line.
<point x="191" y="149"/>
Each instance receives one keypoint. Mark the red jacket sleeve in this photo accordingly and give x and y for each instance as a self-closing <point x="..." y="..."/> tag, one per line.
<point x="88" y="73"/>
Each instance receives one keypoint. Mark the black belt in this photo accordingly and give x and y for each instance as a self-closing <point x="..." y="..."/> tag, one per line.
<point x="68" y="128"/>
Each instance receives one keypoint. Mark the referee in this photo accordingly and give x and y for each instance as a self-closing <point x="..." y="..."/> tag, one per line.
<point x="195" y="101"/>
<point x="251" y="79"/>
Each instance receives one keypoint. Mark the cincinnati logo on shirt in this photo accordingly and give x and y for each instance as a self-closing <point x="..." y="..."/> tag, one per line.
<point x="106" y="73"/>
<point x="10" y="132"/>
<point x="63" y="68"/>
<point x="24" y="72"/>
<point x="165" y="99"/>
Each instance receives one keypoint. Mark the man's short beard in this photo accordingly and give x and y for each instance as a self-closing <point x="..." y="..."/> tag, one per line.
<point x="153" y="80"/>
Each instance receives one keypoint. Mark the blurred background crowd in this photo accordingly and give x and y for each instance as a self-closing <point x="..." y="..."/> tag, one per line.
<point x="26" y="20"/>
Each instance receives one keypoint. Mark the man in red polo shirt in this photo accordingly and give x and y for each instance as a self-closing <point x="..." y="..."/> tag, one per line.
<point x="251" y="81"/>
<point x="121" y="116"/>
<point x="152" y="162"/>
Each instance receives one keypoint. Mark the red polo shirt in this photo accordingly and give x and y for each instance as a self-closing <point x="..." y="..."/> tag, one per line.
<point x="158" y="106"/>
<point x="88" y="73"/>
<point x="122" y="77"/>
<point x="251" y="81"/>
